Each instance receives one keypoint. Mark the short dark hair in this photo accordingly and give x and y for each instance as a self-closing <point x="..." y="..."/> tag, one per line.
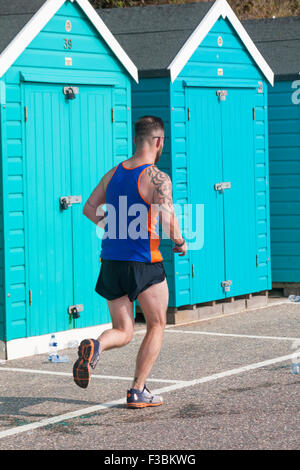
<point x="146" y="126"/>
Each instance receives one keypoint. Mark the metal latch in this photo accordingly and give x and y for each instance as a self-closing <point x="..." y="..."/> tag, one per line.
<point x="226" y="285"/>
<point x="74" y="309"/>
<point x="222" y="186"/>
<point x="70" y="92"/>
<point x="222" y="95"/>
<point x="67" y="201"/>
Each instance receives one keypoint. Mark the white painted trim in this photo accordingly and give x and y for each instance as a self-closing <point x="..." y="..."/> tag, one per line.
<point x="220" y="8"/>
<point x="109" y="38"/>
<point x="194" y="41"/>
<point x="43" y="16"/>
<point x="28" y="33"/>
<point x="249" y="44"/>
<point x="24" y="347"/>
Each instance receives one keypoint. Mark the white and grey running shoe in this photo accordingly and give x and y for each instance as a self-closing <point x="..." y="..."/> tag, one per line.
<point x="142" y="399"/>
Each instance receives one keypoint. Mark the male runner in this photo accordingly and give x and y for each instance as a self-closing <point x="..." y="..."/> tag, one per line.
<point x="132" y="267"/>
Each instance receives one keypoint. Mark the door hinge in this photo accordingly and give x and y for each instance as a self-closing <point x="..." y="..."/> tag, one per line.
<point x="253" y="114"/>
<point x="25" y="113"/>
<point x="257" y="261"/>
<point x="189" y="114"/>
<point x="193" y="270"/>
<point x="113" y="115"/>
<point x="30" y="297"/>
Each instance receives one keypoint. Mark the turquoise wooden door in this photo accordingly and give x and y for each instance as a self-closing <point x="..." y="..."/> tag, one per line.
<point x="68" y="149"/>
<point x="49" y="257"/>
<point x="91" y="157"/>
<point x="221" y="156"/>
<point x="239" y="200"/>
<point x="205" y="169"/>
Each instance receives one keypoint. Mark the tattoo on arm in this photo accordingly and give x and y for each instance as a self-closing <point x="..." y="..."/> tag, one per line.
<point x="163" y="197"/>
<point x="162" y="188"/>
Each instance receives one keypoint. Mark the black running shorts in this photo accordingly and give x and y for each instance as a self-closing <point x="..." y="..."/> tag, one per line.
<point x="118" y="278"/>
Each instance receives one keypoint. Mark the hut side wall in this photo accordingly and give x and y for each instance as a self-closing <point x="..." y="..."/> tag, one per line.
<point x="151" y="96"/>
<point x="2" y="290"/>
<point x="284" y="131"/>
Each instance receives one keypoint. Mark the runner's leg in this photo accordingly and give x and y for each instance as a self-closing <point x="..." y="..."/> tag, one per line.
<point x="154" y="303"/>
<point x="121" y="312"/>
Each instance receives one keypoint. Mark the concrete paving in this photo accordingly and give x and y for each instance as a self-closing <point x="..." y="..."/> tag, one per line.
<point x="224" y="383"/>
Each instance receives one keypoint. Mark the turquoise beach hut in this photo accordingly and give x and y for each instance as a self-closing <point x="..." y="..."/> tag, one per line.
<point x="279" y="40"/>
<point x="202" y="74"/>
<point x="65" y="119"/>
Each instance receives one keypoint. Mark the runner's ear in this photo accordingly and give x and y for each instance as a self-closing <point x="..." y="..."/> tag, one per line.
<point x="158" y="142"/>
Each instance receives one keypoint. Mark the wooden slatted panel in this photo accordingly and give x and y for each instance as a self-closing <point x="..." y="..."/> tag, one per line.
<point x="284" y="130"/>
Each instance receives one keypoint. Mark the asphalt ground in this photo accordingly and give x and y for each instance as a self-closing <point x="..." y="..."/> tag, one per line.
<point x="226" y="383"/>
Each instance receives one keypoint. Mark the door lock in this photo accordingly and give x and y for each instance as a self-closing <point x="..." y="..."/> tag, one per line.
<point x="70" y="92"/>
<point x="67" y="201"/>
<point x="222" y="186"/>
<point x="74" y="310"/>
<point x="222" y="95"/>
<point x="226" y="285"/>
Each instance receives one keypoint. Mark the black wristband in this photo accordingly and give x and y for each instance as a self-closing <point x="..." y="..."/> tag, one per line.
<point x="181" y="244"/>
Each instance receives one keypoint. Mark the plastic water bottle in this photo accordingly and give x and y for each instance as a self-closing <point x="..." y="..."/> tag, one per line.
<point x="294" y="298"/>
<point x="52" y="349"/>
<point x="295" y="368"/>
<point x="59" y="358"/>
<point x="73" y="344"/>
<point x="53" y="353"/>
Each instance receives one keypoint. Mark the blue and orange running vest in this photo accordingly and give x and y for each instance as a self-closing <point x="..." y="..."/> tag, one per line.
<point x="131" y="232"/>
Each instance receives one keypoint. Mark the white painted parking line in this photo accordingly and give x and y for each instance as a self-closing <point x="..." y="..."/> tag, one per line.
<point x="229" y="373"/>
<point x="170" y="388"/>
<point x="69" y="374"/>
<point x="190" y="332"/>
<point x="60" y="418"/>
<point x="222" y="316"/>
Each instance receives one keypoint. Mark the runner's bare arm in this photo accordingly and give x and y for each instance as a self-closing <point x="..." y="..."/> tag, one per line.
<point x="93" y="206"/>
<point x="163" y="197"/>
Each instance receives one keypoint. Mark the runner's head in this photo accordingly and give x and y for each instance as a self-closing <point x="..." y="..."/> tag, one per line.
<point x="149" y="131"/>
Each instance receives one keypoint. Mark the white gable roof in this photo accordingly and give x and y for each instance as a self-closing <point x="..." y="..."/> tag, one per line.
<point x="39" y="21"/>
<point x="220" y="8"/>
